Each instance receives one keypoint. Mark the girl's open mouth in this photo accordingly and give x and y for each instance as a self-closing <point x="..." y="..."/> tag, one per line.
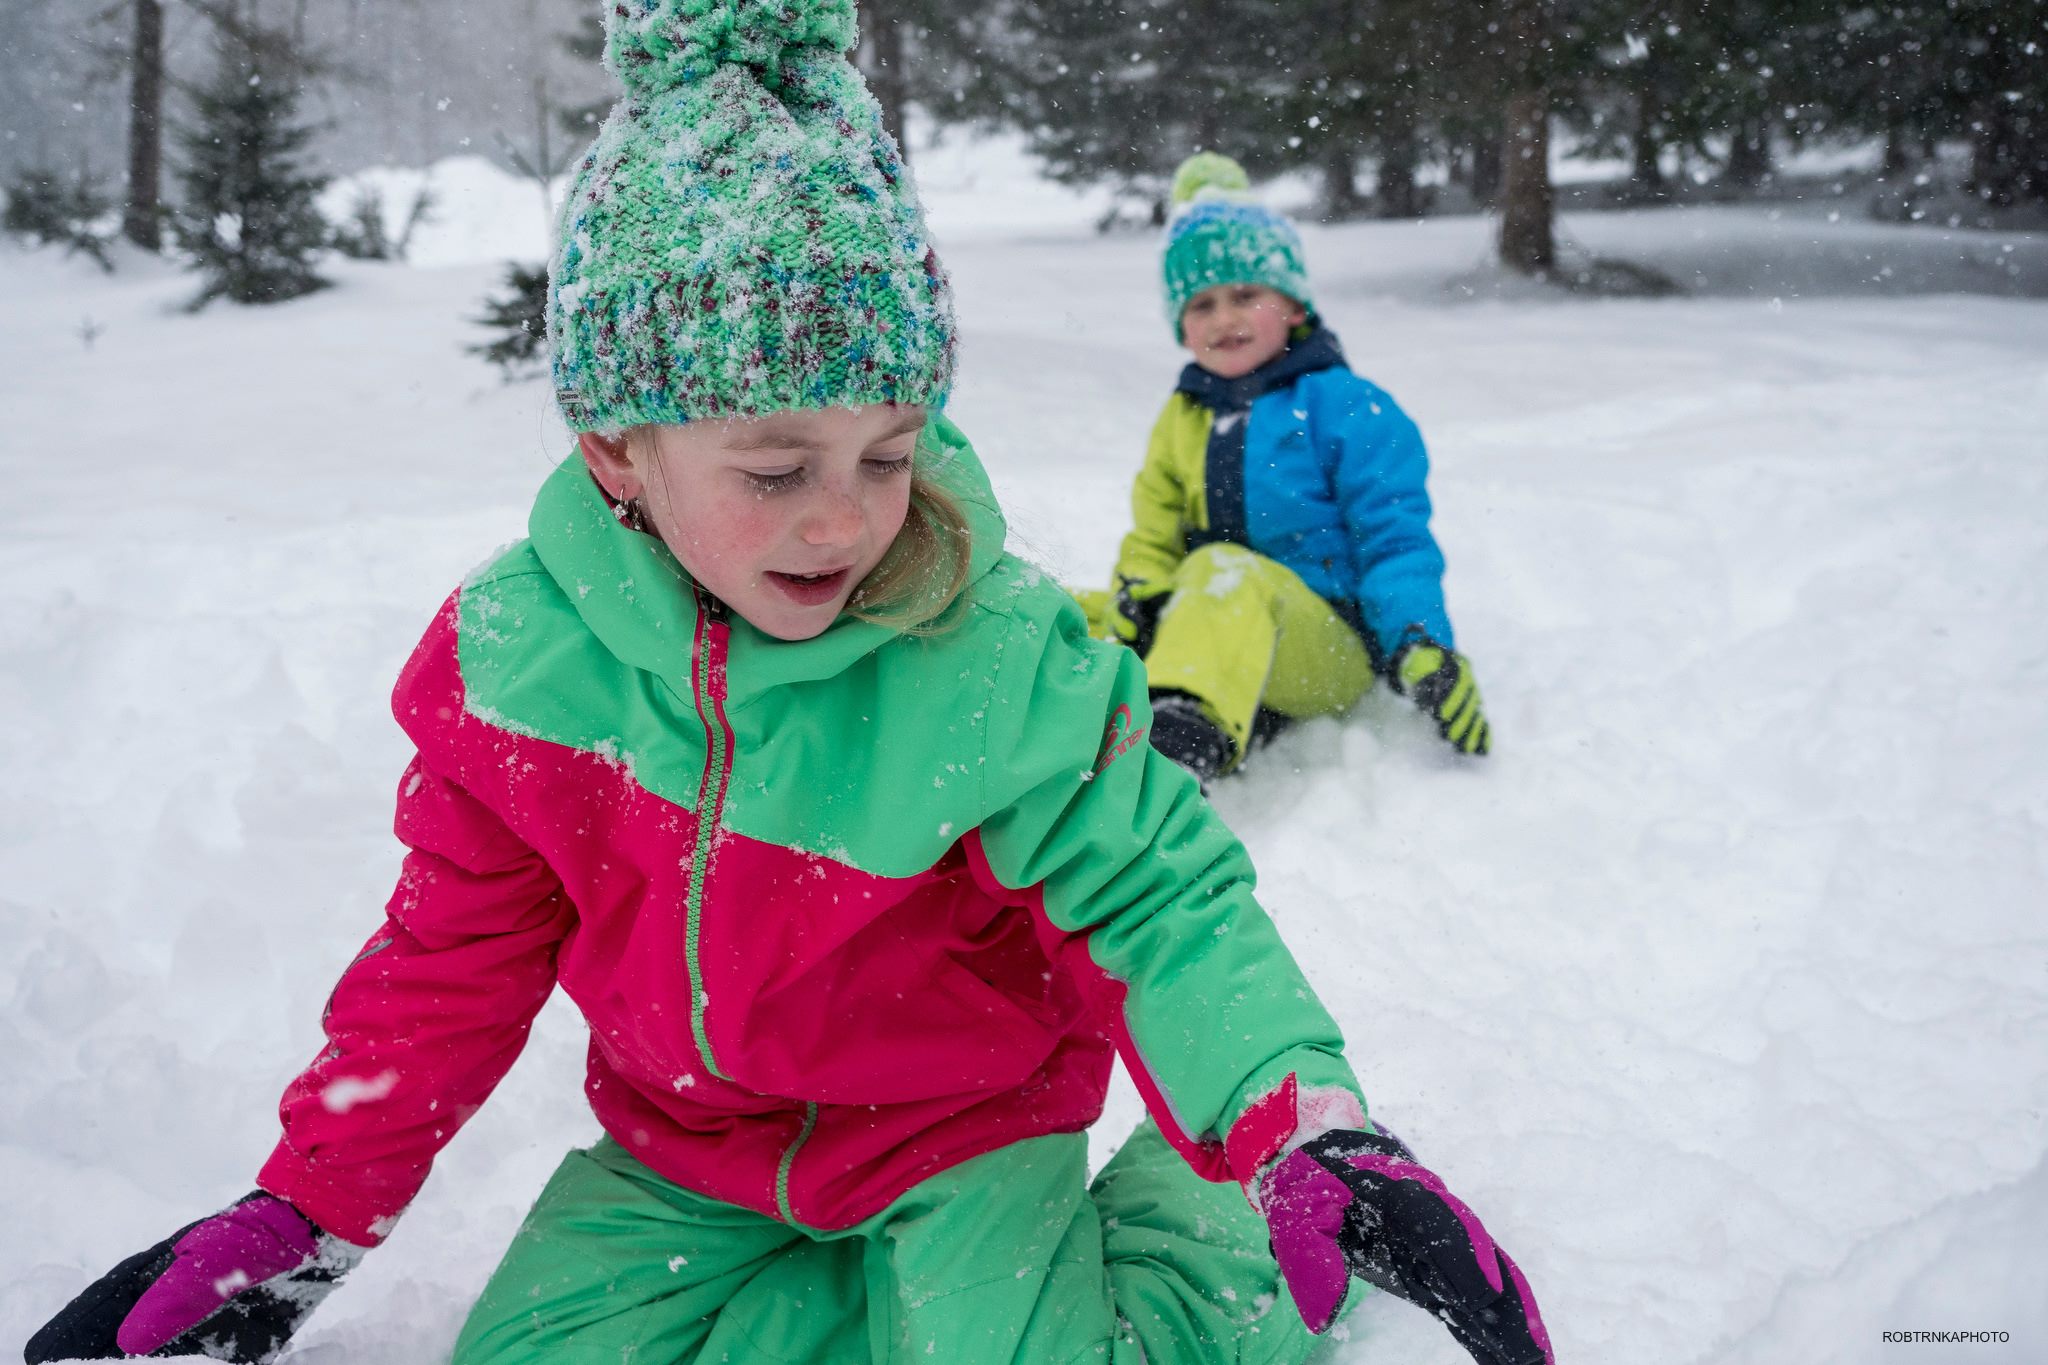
<point x="810" y="590"/>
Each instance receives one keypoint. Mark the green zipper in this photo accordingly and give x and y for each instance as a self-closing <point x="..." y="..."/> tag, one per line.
<point x="788" y="1158"/>
<point x="710" y="803"/>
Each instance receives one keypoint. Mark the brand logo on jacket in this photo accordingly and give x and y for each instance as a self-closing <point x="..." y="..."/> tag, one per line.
<point x="1118" y="737"/>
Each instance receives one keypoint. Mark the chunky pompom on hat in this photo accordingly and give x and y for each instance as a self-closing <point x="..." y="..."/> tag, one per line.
<point x="655" y="45"/>
<point x="743" y="237"/>
<point x="1219" y="234"/>
<point x="1212" y="172"/>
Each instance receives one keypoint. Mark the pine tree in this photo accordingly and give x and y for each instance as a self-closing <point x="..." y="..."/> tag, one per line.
<point x="248" y="218"/>
<point x="1882" y="69"/>
<point x="46" y="206"/>
<point x="1995" y="56"/>
<point x="1660" y="80"/>
<point x="1384" y="79"/>
<point x="519" y="317"/>
<point x="942" y="56"/>
<point x="1122" y="90"/>
<point x="1917" y="70"/>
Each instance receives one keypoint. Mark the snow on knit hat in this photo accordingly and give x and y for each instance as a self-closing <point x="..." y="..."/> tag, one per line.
<point x="743" y="237"/>
<point x="1219" y="234"/>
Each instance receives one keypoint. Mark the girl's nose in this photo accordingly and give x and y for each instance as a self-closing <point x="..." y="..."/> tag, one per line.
<point x="833" y="518"/>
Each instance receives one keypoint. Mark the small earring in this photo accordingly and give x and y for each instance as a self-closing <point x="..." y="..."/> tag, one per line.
<point x="630" y="513"/>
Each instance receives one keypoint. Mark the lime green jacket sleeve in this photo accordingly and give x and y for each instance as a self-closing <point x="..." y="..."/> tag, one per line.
<point x="1162" y="495"/>
<point x="1147" y="896"/>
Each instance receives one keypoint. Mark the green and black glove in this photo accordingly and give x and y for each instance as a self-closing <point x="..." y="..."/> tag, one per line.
<point x="1134" y="615"/>
<point x="1440" y="681"/>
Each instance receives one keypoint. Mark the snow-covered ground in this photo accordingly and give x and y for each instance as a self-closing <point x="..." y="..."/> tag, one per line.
<point x="1722" y="988"/>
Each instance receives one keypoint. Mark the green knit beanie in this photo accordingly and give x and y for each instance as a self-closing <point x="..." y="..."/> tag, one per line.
<point x="1219" y="234"/>
<point x="743" y="237"/>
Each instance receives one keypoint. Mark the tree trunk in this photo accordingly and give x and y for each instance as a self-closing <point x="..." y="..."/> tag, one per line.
<point x="1527" y="203"/>
<point x="1341" y="198"/>
<point x="1398" y="195"/>
<point x="888" y="76"/>
<point x="1994" y="159"/>
<point x="1898" y="157"/>
<point x="1749" y="153"/>
<point x="1486" y="171"/>
<point x="139" y="217"/>
<point x="1526" y="199"/>
<point x="2033" y="150"/>
<point x="1646" y="180"/>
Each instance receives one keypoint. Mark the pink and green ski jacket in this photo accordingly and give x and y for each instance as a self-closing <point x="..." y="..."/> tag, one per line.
<point x="841" y="913"/>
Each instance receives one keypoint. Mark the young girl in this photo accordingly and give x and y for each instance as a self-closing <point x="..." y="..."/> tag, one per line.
<point x="838" y="829"/>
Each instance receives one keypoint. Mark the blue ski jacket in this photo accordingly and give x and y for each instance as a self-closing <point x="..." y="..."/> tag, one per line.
<point x="1307" y="464"/>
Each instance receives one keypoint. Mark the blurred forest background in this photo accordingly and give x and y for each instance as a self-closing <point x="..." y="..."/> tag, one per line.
<point x="1395" y="108"/>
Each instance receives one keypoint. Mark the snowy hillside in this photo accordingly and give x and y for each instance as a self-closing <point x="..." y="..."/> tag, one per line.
<point x="1722" y="988"/>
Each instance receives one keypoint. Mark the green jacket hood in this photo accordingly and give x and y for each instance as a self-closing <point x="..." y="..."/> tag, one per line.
<point x="637" y="598"/>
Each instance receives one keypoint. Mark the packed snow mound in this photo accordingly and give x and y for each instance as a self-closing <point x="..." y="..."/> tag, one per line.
<point x="476" y="211"/>
<point x="1717" y="989"/>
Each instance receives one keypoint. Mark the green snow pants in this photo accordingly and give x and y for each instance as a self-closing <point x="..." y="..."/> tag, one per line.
<point x="1242" y="631"/>
<point x="1010" y="1257"/>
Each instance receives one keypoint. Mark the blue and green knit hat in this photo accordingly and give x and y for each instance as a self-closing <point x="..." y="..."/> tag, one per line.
<point x="743" y="237"/>
<point x="1219" y="234"/>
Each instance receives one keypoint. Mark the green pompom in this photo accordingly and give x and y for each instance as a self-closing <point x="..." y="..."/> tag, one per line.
<point x="1207" y="171"/>
<point x="656" y="45"/>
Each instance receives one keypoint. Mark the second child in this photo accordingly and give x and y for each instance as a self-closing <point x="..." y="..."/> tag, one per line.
<point x="1280" y="555"/>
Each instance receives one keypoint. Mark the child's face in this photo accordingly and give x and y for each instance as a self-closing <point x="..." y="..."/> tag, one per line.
<point x="1232" y="329"/>
<point x="780" y="517"/>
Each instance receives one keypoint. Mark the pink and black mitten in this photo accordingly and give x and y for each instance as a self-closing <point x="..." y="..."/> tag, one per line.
<point x="1356" y="1203"/>
<point x="234" y="1287"/>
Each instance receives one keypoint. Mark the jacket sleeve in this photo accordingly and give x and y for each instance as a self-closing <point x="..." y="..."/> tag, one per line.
<point x="429" y="1016"/>
<point x="1381" y="479"/>
<point x="1157" y="540"/>
<point x="1146" y="896"/>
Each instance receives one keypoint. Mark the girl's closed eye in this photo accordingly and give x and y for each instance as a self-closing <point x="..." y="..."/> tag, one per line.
<point x="774" y="480"/>
<point x="885" y="467"/>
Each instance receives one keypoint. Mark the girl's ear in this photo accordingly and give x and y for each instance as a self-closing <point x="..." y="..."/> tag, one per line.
<point x="611" y="464"/>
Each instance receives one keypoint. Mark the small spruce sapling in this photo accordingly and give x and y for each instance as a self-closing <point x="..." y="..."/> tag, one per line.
<point x="48" y="208"/>
<point x="249" y="222"/>
<point x="520" y="317"/>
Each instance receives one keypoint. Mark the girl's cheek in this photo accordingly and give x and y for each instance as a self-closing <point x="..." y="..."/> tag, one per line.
<point x="752" y="525"/>
<point x="898" y="514"/>
<point x="708" y="530"/>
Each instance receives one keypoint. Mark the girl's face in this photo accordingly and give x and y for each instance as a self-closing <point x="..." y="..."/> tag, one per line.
<point x="779" y="517"/>
<point x="1232" y="329"/>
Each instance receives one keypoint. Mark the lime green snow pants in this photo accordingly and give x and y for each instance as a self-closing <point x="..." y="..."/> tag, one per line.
<point x="1010" y="1257"/>
<point x="1242" y="631"/>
